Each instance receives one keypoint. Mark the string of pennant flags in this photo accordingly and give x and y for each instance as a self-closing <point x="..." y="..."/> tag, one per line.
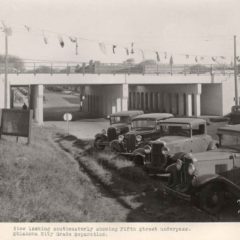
<point x="130" y="49"/>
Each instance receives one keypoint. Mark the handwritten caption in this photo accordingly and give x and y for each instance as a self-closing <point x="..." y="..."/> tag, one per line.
<point x="87" y="231"/>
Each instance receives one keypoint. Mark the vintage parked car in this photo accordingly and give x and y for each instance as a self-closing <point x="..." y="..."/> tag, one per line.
<point x="120" y="123"/>
<point x="209" y="178"/>
<point x="178" y="135"/>
<point x="234" y="116"/>
<point x="144" y="128"/>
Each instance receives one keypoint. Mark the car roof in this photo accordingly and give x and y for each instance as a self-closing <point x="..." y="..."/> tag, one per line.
<point x="127" y="113"/>
<point x="230" y="130"/>
<point x="188" y="120"/>
<point x="155" y="116"/>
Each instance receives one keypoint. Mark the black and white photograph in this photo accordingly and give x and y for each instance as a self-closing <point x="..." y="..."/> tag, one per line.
<point x="119" y="119"/>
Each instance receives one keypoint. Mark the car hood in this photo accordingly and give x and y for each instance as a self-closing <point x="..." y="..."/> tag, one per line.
<point x="174" y="143"/>
<point x="140" y="132"/>
<point x="216" y="161"/>
<point x="217" y="154"/>
<point x="119" y="125"/>
<point x="172" y="139"/>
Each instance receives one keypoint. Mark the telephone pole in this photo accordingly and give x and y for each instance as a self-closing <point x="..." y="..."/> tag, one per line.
<point x="235" y="70"/>
<point x="6" y="70"/>
<point x="7" y="32"/>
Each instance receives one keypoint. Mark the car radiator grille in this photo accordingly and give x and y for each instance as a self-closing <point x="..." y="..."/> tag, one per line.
<point x="130" y="142"/>
<point x="184" y="177"/>
<point x="111" y="134"/>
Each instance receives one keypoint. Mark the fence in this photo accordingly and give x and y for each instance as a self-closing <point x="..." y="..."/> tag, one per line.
<point x="114" y="68"/>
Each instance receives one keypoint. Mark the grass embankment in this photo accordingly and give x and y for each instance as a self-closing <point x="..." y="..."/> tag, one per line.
<point x="130" y="185"/>
<point x="40" y="182"/>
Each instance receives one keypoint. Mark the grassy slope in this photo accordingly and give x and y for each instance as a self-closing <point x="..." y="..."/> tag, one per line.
<point x="42" y="183"/>
<point x="131" y="186"/>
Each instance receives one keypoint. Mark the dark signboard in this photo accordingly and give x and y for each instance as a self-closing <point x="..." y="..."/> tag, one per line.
<point x="16" y="122"/>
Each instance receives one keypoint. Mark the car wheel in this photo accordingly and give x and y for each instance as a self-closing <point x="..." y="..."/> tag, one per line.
<point x="138" y="161"/>
<point x="98" y="144"/>
<point x="212" y="198"/>
<point x="115" y="147"/>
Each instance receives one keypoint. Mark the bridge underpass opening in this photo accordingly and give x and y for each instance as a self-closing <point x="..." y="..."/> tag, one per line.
<point x="179" y="99"/>
<point x="62" y="99"/>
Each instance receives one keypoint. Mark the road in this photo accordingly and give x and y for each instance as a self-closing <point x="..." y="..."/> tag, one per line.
<point x="82" y="126"/>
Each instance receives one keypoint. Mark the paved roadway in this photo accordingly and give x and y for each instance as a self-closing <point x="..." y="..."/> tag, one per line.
<point x="56" y="104"/>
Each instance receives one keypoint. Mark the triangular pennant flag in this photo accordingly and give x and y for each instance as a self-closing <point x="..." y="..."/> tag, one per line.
<point x="158" y="58"/>
<point x="142" y="52"/>
<point x="61" y="41"/>
<point x="132" y="51"/>
<point x="196" y="59"/>
<point x="127" y="51"/>
<point x="27" y="28"/>
<point x="73" y="39"/>
<point x="165" y="55"/>
<point x="214" y="59"/>
<point x="45" y="38"/>
<point x="76" y="46"/>
<point x="102" y="47"/>
<point x="113" y="48"/>
<point x="171" y="61"/>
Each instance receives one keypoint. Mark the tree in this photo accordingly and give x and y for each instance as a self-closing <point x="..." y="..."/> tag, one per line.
<point x="14" y="63"/>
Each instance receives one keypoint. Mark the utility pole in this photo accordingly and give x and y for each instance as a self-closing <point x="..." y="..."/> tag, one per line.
<point x="235" y="70"/>
<point x="7" y="31"/>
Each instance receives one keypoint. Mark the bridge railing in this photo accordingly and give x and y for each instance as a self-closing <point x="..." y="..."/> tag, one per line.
<point x="45" y="67"/>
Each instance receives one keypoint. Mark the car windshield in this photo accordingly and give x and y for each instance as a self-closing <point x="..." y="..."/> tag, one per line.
<point x="175" y="129"/>
<point x="228" y="141"/>
<point x="142" y="124"/>
<point x="235" y="109"/>
<point x="119" y="119"/>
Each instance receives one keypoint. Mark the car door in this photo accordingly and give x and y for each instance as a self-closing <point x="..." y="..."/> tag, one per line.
<point x="200" y="140"/>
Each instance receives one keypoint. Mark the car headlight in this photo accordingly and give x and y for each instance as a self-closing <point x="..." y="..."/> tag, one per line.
<point x="138" y="138"/>
<point x="165" y="150"/>
<point x="104" y="131"/>
<point x="179" y="164"/>
<point x="147" y="149"/>
<point x="191" y="169"/>
<point x="120" y="138"/>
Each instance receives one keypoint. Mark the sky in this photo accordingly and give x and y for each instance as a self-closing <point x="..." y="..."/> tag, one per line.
<point x="177" y="27"/>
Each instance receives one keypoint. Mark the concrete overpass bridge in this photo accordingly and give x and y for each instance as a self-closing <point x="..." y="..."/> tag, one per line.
<point x="177" y="91"/>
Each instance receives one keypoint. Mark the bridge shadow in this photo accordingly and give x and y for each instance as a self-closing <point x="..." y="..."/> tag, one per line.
<point x="56" y="113"/>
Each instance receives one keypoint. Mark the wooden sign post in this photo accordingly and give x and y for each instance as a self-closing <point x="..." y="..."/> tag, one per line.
<point x="16" y="122"/>
<point x="67" y="117"/>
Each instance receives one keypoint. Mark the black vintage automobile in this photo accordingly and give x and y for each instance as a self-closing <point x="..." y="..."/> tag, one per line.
<point x="120" y="123"/>
<point x="234" y="116"/>
<point x="144" y="128"/>
<point x="209" y="178"/>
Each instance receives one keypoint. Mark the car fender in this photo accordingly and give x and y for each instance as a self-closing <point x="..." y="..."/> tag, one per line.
<point x="100" y="135"/>
<point x="201" y="181"/>
<point x="139" y="152"/>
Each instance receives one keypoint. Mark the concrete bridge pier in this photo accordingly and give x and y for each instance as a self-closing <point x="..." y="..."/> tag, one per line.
<point x="36" y="102"/>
